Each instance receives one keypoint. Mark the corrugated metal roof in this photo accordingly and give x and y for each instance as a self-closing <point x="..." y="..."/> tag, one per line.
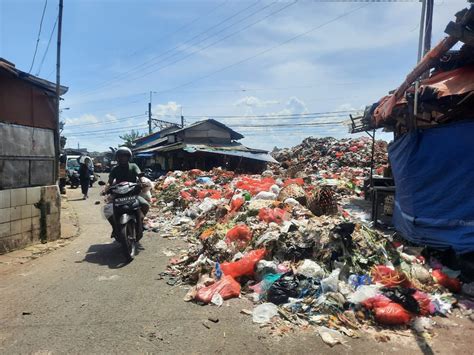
<point x="10" y="68"/>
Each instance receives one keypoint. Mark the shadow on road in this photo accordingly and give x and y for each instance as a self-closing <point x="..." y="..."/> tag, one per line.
<point x="107" y="255"/>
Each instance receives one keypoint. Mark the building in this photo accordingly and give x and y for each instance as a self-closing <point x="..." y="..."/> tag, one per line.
<point x="202" y="145"/>
<point x="29" y="196"/>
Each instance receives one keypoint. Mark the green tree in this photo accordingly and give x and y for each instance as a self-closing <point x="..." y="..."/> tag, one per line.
<point x="129" y="138"/>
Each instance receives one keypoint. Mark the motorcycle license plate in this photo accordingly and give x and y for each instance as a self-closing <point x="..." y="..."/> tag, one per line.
<point x="124" y="200"/>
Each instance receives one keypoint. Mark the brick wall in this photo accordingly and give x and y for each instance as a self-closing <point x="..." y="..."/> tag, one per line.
<point x="29" y="215"/>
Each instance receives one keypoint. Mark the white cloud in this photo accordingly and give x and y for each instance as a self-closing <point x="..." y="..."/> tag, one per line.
<point x="165" y="110"/>
<point x="85" y="118"/>
<point x="252" y="101"/>
<point x="111" y="118"/>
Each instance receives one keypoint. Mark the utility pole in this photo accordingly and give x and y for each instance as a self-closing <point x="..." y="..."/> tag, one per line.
<point x="58" y="90"/>
<point x="149" y="113"/>
<point x="182" y="118"/>
<point x="428" y="26"/>
<point x="420" y="55"/>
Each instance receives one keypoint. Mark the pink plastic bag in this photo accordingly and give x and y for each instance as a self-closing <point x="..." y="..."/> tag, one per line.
<point x="227" y="287"/>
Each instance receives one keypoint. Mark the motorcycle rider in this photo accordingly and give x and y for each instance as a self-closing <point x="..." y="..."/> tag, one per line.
<point x="126" y="171"/>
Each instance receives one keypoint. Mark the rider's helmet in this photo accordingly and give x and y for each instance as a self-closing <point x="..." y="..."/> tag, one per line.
<point x="123" y="151"/>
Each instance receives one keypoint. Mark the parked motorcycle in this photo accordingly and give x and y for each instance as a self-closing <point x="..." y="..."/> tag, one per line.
<point x="127" y="216"/>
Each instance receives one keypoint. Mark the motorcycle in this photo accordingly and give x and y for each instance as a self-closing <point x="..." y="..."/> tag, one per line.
<point x="127" y="215"/>
<point x="74" y="179"/>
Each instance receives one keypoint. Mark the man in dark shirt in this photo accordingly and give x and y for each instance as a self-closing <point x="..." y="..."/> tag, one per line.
<point x="127" y="172"/>
<point x="124" y="171"/>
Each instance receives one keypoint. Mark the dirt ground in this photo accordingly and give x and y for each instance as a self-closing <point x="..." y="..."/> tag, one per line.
<point x="79" y="297"/>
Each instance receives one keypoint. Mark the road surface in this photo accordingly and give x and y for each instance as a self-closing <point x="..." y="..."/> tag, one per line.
<point x="82" y="299"/>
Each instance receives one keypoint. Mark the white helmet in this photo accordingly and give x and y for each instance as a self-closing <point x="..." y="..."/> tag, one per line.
<point x="123" y="150"/>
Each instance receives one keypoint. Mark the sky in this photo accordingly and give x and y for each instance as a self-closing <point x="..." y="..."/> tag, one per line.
<point x="212" y="59"/>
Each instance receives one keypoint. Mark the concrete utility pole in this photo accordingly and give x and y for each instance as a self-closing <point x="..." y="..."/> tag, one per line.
<point x="149" y="113"/>
<point x="58" y="90"/>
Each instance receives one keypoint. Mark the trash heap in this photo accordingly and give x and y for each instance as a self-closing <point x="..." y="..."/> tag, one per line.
<point x="284" y="243"/>
<point x="341" y="162"/>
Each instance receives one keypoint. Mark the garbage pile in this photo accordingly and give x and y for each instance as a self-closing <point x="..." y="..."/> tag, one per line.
<point x="342" y="162"/>
<point x="287" y="245"/>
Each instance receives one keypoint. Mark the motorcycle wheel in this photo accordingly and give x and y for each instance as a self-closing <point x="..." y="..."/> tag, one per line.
<point x="128" y="241"/>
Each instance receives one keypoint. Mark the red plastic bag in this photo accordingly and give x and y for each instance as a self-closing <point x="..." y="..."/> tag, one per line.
<point x="227" y="287"/>
<point x="376" y="302"/>
<point x="241" y="235"/>
<point x="426" y="306"/>
<point x="244" y="266"/>
<point x="298" y="181"/>
<point x="392" y="314"/>
<point x="269" y="215"/>
<point x="452" y="284"/>
<point x="213" y="194"/>
<point x="389" y="277"/>
<point x="236" y="204"/>
<point x="186" y="195"/>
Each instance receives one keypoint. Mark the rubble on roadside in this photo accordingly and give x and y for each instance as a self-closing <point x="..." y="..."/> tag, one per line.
<point x="284" y="242"/>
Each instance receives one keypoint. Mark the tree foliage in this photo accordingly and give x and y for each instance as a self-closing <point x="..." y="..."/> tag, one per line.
<point x="129" y="138"/>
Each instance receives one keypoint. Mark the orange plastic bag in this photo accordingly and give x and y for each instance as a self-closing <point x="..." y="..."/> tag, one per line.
<point x="236" y="204"/>
<point x="227" y="287"/>
<point x="241" y="235"/>
<point x="452" y="284"/>
<point x="392" y="314"/>
<point x="276" y="215"/>
<point x="244" y="266"/>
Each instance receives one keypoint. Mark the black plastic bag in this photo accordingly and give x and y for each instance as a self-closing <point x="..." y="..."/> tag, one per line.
<point x="284" y="288"/>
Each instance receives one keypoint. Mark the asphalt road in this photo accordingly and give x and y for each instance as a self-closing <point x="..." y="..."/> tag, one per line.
<point x="83" y="299"/>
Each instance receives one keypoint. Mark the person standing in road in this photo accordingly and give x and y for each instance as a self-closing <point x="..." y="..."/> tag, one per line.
<point x="85" y="176"/>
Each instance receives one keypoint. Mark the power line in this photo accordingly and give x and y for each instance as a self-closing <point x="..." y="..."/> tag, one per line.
<point x="215" y="42"/>
<point x="263" y="51"/>
<point x="100" y="123"/>
<point x="182" y="27"/>
<point x="126" y="73"/>
<point x="39" y="35"/>
<point x="279" y="115"/>
<point x="47" y="47"/>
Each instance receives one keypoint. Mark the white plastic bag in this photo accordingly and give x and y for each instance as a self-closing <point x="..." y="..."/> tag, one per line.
<point x="264" y="312"/>
<point x="310" y="269"/>
<point x="331" y="283"/>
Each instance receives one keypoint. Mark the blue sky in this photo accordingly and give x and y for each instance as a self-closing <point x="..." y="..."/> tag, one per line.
<point x="217" y="58"/>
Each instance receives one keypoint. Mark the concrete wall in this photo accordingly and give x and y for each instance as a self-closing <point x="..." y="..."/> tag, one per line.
<point x="29" y="215"/>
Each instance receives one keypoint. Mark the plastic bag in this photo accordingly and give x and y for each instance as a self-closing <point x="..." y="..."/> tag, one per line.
<point x="276" y="215"/>
<point x="236" y="204"/>
<point x="378" y="301"/>
<point x="363" y="293"/>
<point x="284" y="288"/>
<point x="265" y="195"/>
<point x="108" y="210"/>
<point x="244" y="266"/>
<point x="424" y="302"/>
<point x="227" y="287"/>
<point x="452" y="284"/>
<point x="331" y="283"/>
<point x="241" y="235"/>
<point x="330" y="336"/>
<point x="264" y="312"/>
<point x="310" y="268"/>
<point x="392" y="314"/>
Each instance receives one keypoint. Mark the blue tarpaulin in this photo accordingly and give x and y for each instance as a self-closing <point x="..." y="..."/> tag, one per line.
<point x="434" y="178"/>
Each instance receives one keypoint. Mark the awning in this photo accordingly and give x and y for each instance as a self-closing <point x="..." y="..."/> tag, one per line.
<point x="144" y="155"/>
<point x="236" y="153"/>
